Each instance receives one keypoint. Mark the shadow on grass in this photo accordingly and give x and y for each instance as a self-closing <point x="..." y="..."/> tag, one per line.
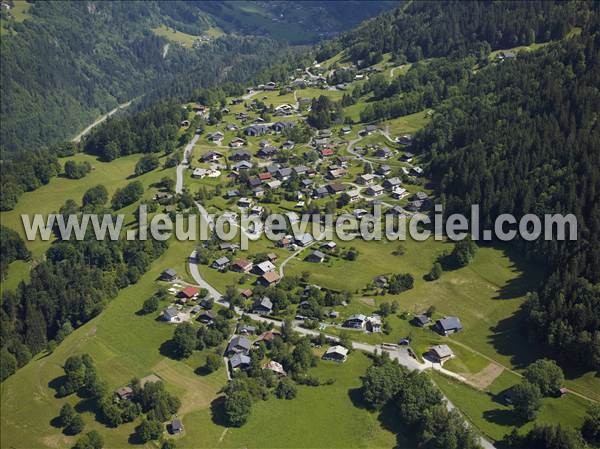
<point x="56" y="383"/>
<point x="503" y="417"/>
<point x="202" y="371"/>
<point x="391" y="421"/>
<point x="167" y="349"/>
<point x="217" y="411"/>
<point x="56" y="422"/>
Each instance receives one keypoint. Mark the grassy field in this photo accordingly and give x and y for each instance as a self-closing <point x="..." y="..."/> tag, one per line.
<point x="488" y="413"/>
<point x="49" y="198"/>
<point x="173" y="35"/>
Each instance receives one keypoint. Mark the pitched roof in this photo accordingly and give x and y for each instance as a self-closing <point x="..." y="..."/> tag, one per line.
<point x="189" y="292"/>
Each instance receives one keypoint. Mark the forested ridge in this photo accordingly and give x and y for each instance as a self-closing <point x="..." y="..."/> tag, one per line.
<point x="523" y="137"/>
<point x="70" y="61"/>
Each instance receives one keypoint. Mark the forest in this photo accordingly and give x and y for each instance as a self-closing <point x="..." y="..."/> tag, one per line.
<point x="522" y="137"/>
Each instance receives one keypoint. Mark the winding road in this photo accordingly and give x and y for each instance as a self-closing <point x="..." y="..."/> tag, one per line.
<point x="396" y="353"/>
<point x="99" y="120"/>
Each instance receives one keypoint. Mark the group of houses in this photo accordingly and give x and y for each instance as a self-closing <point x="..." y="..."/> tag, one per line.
<point x="239" y="348"/>
<point x="362" y="322"/>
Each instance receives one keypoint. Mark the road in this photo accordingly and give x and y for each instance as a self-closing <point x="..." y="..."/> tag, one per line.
<point x="99" y="120"/>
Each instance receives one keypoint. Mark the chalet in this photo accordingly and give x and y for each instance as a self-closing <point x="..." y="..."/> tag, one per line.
<point x="346" y="130"/>
<point x="416" y="206"/>
<point x="321" y="192"/>
<point x="281" y="126"/>
<point x="272" y="257"/>
<point x="216" y="136"/>
<point x="306" y="182"/>
<point x="266" y="152"/>
<point x="231" y="127"/>
<point x="369" y="129"/>
<point x="321" y="142"/>
<point x="207" y="317"/>
<point x="336" y="353"/>
<point x="325" y="133"/>
<point x="237" y="142"/>
<point x="238" y="345"/>
<point x="256" y="210"/>
<point x="242" y="116"/>
<point x="304" y="240"/>
<point x="246" y="293"/>
<point x="239" y="361"/>
<point x="391" y="183"/>
<point x="244" y="202"/>
<point x="383" y="153"/>
<point x="176" y="426"/>
<point x="256" y="130"/>
<point x="407" y="157"/>
<point x="336" y="173"/>
<point x="242" y="266"/>
<point x="288" y="145"/>
<point x="417" y="171"/>
<point x="199" y="173"/>
<point x="300" y="170"/>
<point x="354" y="196"/>
<point x="357" y="321"/>
<point x="374" y="323"/>
<point x="228" y="246"/>
<point x="253" y="181"/>
<point x="286" y="241"/>
<point x="399" y="192"/>
<point x="240" y="155"/>
<point x="276" y="367"/>
<point x="275" y="184"/>
<point x="188" y="292"/>
<point x="336" y="187"/>
<point x="264" y="267"/>
<point x="124" y="393"/>
<point x="315" y="257"/>
<point x="359" y="213"/>
<point x="163" y="197"/>
<point x="197" y="107"/>
<point x="329" y="245"/>
<point x="448" y="325"/>
<point x="381" y="281"/>
<point x="383" y="170"/>
<point x="441" y="353"/>
<point x="268" y="336"/>
<point x="420" y="196"/>
<point x="211" y="156"/>
<point x="284" y="173"/>
<point x="375" y="190"/>
<point x="258" y="192"/>
<point x="266" y="176"/>
<point x="326" y="152"/>
<point x="420" y="320"/>
<point x="170" y="315"/>
<point x="221" y="263"/>
<point x="243" y="165"/>
<point x="263" y="306"/>
<point x="365" y="179"/>
<point x="245" y="329"/>
<point x="406" y="139"/>
<point x="268" y="279"/>
<point x="168" y="275"/>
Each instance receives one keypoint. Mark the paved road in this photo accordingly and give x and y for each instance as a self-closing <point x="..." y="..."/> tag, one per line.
<point x="99" y="120"/>
<point x="187" y="153"/>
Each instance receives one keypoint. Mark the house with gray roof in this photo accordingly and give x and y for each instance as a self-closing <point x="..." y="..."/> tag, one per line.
<point x="448" y="325"/>
<point x="238" y="345"/>
<point x="263" y="306"/>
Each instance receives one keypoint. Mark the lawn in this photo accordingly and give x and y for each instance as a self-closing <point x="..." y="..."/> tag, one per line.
<point x="488" y="413"/>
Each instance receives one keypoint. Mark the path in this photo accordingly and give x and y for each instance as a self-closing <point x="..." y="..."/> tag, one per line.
<point x="99" y="120"/>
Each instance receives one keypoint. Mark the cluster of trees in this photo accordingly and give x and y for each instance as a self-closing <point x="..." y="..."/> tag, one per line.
<point x="542" y="378"/>
<point x="399" y="282"/>
<point x="419" y="405"/>
<point x="77" y="170"/>
<point x="12" y="247"/>
<point x="146" y="163"/>
<point x="438" y="29"/>
<point x="187" y="338"/>
<point x="150" y="131"/>
<point x="25" y="173"/>
<point x="67" y="289"/>
<point x="70" y="421"/>
<point x="534" y="162"/>
<point x="323" y="113"/>
<point x="423" y="86"/>
<point x="127" y="195"/>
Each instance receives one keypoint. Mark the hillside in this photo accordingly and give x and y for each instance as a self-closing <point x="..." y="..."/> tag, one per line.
<point x="65" y="63"/>
<point x="306" y="343"/>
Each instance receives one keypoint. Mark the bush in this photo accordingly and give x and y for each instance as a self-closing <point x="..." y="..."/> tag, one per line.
<point x="75" y="425"/>
<point x="213" y="363"/>
<point x="286" y="389"/>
